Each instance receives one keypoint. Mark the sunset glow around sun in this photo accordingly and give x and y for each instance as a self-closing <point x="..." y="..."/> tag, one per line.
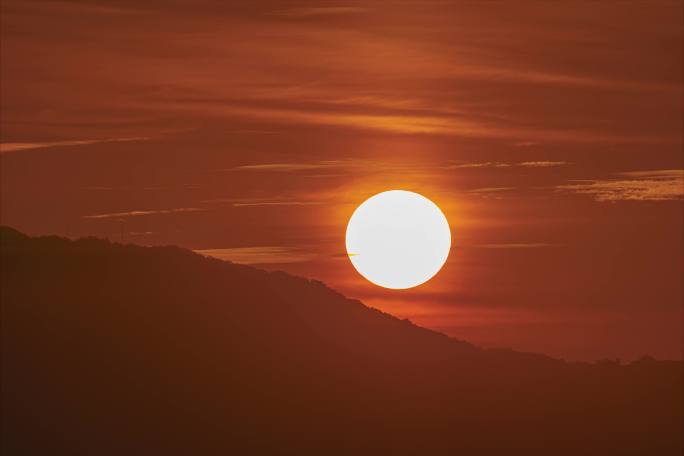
<point x="398" y="239"/>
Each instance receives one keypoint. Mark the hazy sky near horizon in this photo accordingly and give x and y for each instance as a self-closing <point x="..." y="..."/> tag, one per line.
<point x="550" y="133"/>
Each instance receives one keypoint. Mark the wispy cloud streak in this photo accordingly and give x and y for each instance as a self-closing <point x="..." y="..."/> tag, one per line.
<point x="289" y="167"/>
<point x="491" y="189"/>
<point x="495" y="164"/>
<point x="478" y="165"/>
<point x="18" y="146"/>
<point x="542" y="164"/>
<point x="657" y="185"/>
<point x="278" y="203"/>
<point x="142" y="213"/>
<point x="259" y="255"/>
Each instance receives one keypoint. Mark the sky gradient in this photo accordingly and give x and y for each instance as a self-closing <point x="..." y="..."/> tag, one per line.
<point x="550" y="134"/>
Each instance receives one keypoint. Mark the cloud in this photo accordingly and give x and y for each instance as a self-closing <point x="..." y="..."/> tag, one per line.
<point x="17" y="146"/>
<point x="479" y="165"/>
<point x="542" y="164"/>
<point x="290" y="167"/>
<point x="656" y="185"/>
<point x="273" y="201"/>
<point x="259" y="255"/>
<point x="450" y="61"/>
<point x="277" y="203"/>
<point x="337" y="165"/>
<point x="525" y="164"/>
<point x="537" y="76"/>
<point x="491" y="189"/>
<point x="399" y="122"/>
<point x="142" y="213"/>
<point x="655" y="174"/>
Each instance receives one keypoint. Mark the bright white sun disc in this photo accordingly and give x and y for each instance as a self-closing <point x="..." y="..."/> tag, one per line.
<point x="398" y="239"/>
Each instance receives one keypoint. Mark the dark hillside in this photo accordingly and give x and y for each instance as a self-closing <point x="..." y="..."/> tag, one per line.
<point x="114" y="349"/>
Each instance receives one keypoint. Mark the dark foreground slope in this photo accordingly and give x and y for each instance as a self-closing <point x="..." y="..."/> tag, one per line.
<point x="115" y="350"/>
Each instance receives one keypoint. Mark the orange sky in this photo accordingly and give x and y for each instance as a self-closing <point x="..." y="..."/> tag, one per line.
<point x="550" y="133"/>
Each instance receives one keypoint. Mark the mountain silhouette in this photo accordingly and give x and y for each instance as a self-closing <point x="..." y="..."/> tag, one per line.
<point x="112" y="349"/>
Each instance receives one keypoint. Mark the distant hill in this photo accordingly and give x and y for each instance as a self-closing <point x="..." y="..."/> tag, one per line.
<point x="112" y="349"/>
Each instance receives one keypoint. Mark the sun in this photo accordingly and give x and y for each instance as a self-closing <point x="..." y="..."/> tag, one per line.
<point x="398" y="239"/>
